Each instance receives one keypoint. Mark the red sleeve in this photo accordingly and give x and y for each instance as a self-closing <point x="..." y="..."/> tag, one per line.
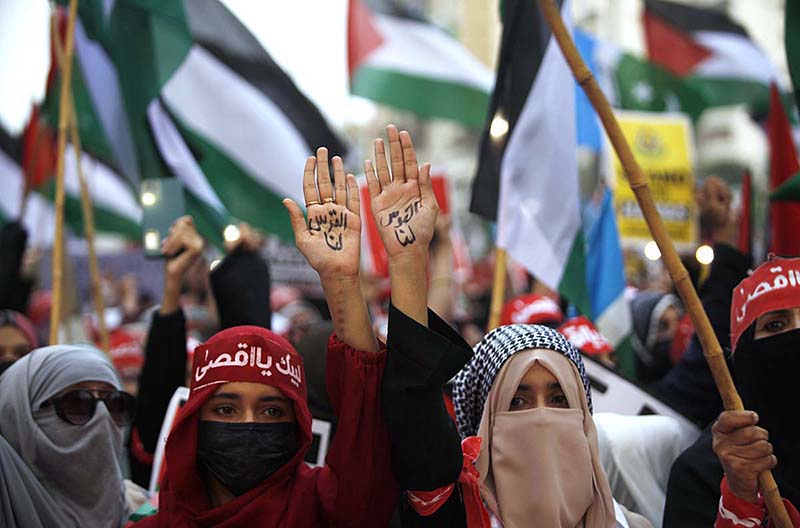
<point x="358" y="462"/>
<point x="735" y="512"/>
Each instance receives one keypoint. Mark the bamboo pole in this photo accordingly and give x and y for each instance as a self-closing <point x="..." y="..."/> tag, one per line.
<point x="680" y="277"/>
<point x="498" y="287"/>
<point x="63" y="114"/>
<point x="86" y="201"/>
<point x="88" y="229"/>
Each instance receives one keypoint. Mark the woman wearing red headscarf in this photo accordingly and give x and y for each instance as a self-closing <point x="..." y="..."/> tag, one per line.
<point x="235" y="455"/>
<point x="765" y="337"/>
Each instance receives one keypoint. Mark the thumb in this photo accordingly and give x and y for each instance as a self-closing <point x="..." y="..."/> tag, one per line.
<point x="425" y="185"/>
<point x="296" y="217"/>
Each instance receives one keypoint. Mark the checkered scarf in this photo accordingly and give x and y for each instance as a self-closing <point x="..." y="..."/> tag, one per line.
<point x="472" y="384"/>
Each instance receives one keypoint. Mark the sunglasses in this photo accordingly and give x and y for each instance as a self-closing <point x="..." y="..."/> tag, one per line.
<point x="77" y="407"/>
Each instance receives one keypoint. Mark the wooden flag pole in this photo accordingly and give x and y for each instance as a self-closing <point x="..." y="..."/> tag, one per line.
<point x="63" y="114"/>
<point x="638" y="183"/>
<point x="88" y="229"/>
<point x="86" y="201"/>
<point x="498" y="287"/>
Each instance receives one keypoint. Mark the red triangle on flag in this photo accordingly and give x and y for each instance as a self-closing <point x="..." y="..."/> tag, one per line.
<point x="363" y="36"/>
<point x="671" y="48"/>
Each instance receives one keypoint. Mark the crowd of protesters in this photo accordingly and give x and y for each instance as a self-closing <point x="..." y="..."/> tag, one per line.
<point x="432" y="423"/>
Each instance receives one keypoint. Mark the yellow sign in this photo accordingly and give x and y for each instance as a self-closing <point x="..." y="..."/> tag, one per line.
<point x="662" y="144"/>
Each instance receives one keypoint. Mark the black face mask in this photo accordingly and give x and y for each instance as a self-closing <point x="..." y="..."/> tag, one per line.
<point x="766" y="377"/>
<point x="242" y="455"/>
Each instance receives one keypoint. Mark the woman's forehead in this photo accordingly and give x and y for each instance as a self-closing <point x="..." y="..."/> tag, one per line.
<point x="90" y="385"/>
<point x="246" y="388"/>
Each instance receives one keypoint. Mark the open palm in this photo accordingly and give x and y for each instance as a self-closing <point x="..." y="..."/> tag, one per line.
<point x="403" y="202"/>
<point x="331" y="238"/>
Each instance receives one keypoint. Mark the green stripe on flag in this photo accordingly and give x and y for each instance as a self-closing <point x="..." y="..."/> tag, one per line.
<point x="105" y="220"/>
<point x="643" y="85"/>
<point x="243" y="196"/>
<point x="207" y="221"/>
<point x="149" y="39"/>
<point x="573" y="282"/>
<point x="425" y="96"/>
<point x="792" y="43"/>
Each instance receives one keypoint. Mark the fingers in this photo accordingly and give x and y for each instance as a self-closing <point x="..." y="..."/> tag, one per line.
<point x="353" y="198"/>
<point x="373" y="184"/>
<point x="323" y="175"/>
<point x="339" y="181"/>
<point x="730" y="421"/>
<point x="396" y="154"/>
<point x="183" y="260"/>
<point x="296" y="217"/>
<point x="380" y="163"/>
<point x="410" y="162"/>
<point x="309" y="185"/>
<point x="182" y="235"/>
<point x="755" y="451"/>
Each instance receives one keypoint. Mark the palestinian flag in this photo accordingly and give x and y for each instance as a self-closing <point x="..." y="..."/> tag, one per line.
<point x="116" y="208"/>
<point x="527" y="176"/>
<point x="188" y="92"/>
<point x="710" y="53"/>
<point x="398" y="58"/>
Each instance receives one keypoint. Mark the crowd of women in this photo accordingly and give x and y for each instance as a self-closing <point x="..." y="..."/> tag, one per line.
<point x="514" y="444"/>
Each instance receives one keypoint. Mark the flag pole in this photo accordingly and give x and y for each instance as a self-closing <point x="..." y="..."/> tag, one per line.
<point x="680" y="277"/>
<point x="498" y="287"/>
<point x="63" y="114"/>
<point x="86" y="201"/>
<point x="88" y="229"/>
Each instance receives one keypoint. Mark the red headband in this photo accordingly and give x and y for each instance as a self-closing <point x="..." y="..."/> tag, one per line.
<point x="585" y="337"/>
<point x="775" y="285"/>
<point x="251" y="354"/>
<point x="531" y="309"/>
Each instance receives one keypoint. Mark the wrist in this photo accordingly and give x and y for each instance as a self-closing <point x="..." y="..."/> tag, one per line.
<point x="345" y="280"/>
<point x="750" y="496"/>
<point x="408" y="263"/>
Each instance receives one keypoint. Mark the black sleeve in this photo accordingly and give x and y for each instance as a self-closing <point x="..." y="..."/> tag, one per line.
<point x="426" y="447"/>
<point x="689" y="386"/>
<point x="241" y="287"/>
<point x="693" y="487"/>
<point x="163" y="372"/>
<point x="14" y="289"/>
<point x="728" y="269"/>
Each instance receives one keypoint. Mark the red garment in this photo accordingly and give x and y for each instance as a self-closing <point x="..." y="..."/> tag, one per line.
<point x="427" y="503"/>
<point x="738" y="513"/>
<point x="355" y="488"/>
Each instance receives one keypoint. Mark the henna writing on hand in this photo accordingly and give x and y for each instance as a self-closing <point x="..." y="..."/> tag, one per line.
<point x="333" y="225"/>
<point x="399" y="220"/>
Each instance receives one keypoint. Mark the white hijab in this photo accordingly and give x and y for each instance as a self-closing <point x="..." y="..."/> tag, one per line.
<point x="55" y="473"/>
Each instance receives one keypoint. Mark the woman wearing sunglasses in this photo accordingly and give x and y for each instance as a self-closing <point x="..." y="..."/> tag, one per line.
<point x="61" y="419"/>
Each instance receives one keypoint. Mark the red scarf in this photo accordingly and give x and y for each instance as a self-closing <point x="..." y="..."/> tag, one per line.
<point x="293" y="496"/>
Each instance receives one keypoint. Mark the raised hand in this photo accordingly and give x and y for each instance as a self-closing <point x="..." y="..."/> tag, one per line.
<point x="183" y="246"/>
<point x="403" y="202"/>
<point x="331" y="239"/>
